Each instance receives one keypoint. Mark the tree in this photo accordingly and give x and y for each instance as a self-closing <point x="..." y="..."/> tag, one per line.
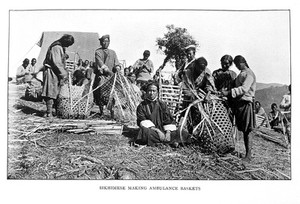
<point x="173" y="44"/>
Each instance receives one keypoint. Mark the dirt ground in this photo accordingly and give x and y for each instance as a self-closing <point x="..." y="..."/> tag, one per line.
<point x="36" y="150"/>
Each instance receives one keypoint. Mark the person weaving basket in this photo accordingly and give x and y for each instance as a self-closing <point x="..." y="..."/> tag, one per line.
<point x="106" y="64"/>
<point x="243" y="101"/>
<point x="194" y="75"/>
<point x="54" y="70"/>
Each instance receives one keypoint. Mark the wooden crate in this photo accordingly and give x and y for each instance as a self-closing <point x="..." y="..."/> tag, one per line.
<point x="70" y="65"/>
<point x="172" y="95"/>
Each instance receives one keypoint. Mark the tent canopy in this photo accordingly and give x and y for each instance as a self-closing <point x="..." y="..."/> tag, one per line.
<point x="84" y="46"/>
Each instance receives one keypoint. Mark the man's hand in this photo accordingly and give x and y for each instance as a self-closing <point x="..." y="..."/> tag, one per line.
<point x="103" y="67"/>
<point x="225" y="92"/>
<point x="161" y="135"/>
<point x="64" y="75"/>
<point x="207" y="97"/>
<point x="168" y="136"/>
<point x="117" y="68"/>
<point x="187" y="92"/>
<point x="34" y="74"/>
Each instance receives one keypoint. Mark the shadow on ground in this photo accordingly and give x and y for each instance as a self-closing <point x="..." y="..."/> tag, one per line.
<point x="129" y="131"/>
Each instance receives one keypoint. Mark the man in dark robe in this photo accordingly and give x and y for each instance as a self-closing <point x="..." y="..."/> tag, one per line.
<point x="155" y="120"/>
<point x="54" y="70"/>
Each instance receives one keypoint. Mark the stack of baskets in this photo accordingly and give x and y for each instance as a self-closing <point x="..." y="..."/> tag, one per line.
<point x="208" y="121"/>
<point x="72" y="103"/>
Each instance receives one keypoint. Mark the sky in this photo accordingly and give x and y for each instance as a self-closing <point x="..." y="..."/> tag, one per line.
<point x="262" y="37"/>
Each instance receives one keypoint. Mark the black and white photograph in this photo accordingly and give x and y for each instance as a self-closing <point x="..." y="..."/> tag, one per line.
<point x="129" y="100"/>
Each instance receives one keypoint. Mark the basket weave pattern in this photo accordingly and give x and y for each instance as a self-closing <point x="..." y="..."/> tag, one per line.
<point x="72" y="104"/>
<point x="219" y="135"/>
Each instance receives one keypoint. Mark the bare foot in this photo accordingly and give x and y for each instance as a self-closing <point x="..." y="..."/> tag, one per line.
<point x="246" y="159"/>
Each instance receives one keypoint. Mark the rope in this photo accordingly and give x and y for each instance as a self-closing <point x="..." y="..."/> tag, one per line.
<point x="25" y="54"/>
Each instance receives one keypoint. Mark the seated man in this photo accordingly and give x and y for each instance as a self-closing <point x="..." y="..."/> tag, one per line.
<point x="276" y="119"/>
<point x="130" y="76"/>
<point x="21" y="72"/>
<point x="155" y="121"/>
<point x="261" y="116"/>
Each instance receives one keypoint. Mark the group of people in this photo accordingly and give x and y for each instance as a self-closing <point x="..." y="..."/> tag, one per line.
<point x="154" y="118"/>
<point x="25" y="71"/>
<point x="276" y="119"/>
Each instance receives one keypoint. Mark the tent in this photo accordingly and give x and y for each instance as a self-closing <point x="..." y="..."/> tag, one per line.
<point x="84" y="46"/>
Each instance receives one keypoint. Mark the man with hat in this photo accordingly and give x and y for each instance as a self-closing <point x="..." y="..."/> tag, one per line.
<point x="107" y="63"/>
<point x="106" y="59"/>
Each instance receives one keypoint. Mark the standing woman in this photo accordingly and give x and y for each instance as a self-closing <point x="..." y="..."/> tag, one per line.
<point x="224" y="80"/>
<point x="223" y="77"/>
<point x="243" y="101"/>
<point x="54" y="70"/>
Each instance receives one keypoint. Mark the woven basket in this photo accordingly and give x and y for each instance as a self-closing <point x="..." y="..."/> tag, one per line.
<point x="117" y="93"/>
<point x="71" y="102"/>
<point x="105" y="89"/>
<point x="217" y="137"/>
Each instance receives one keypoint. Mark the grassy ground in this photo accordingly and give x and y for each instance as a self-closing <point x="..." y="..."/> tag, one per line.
<point x="38" y="152"/>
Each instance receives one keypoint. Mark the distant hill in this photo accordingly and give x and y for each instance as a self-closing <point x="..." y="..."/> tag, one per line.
<point x="270" y="95"/>
<point x="260" y="86"/>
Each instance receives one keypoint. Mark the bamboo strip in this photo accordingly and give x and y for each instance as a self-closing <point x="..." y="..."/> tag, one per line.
<point x="70" y="94"/>
<point x="88" y="98"/>
<point x="283" y="174"/>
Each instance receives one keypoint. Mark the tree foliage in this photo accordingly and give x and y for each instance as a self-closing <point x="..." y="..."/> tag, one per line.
<point x="174" y="42"/>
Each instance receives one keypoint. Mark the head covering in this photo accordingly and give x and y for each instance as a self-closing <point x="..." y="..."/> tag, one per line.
<point x="190" y="47"/>
<point x="227" y="57"/>
<point x="240" y="59"/>
<point x="104" y="37"/>
<point x="201" y="60"/>
<point x="147" y="52"/>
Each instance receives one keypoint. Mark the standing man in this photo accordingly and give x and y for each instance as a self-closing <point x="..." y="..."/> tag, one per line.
<point x="54" y="70"/>
<point x="107" y="63"/>
<point x="243" y="98"/>
<point x="143" y="69"/>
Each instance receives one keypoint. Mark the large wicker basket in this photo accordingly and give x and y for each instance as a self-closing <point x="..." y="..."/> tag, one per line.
<point x="72" y="102"/>
<point x="118" y="93"/>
